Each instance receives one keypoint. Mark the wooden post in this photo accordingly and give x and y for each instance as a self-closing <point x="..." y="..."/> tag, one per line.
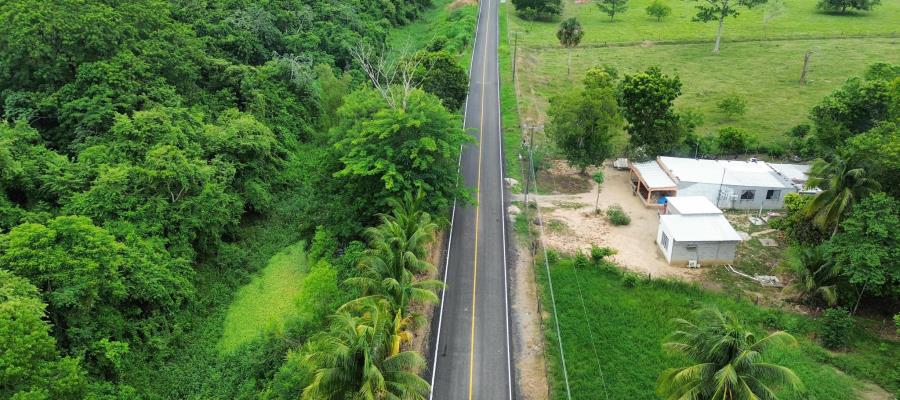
<point x="515" y="53"/>
<point x="806" y="58"/>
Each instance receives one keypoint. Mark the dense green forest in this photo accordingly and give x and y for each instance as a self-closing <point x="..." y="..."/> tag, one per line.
<point x="155" y="153"/>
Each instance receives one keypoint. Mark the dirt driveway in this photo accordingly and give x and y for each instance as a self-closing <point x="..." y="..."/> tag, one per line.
<point x="571" y="224"/>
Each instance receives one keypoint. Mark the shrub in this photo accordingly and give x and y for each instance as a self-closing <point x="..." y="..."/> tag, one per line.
<point x="552" y="257"/>
<point x="629" y="280"/>
<point x="836" y="326"/>
<point x="732" y="106"/>
<point x="581" y="260"/>
<point x="733" y="140"/>
<point x="598" y="254"/>
<point x="617" y="215"/>
<point x="659" y="10"/>
<point x="897" y="323"/>
<point x="772" y="321"/>
<point x="323" y="246"/>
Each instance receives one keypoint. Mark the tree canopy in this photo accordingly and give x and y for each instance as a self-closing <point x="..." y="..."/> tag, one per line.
<point x="647" y="100"/>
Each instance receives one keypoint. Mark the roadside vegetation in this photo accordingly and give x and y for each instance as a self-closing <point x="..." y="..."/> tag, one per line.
<point x="163" y="166"/>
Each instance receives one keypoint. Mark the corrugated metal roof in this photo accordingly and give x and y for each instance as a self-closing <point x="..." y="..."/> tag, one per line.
<point x="798" y="174"/>
<point x="727" y="172"/>
<point x="689" y="205"/>
<point x="653" y="175"/>
<point x="699" y="228"/>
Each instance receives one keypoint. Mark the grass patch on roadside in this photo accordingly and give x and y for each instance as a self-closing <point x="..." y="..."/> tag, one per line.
<point x="800" y="19"/>
<point x="512" y="130"/>
<point x="271" y="297"/>
<point x="629" y="325"/>
<point x="766" y="74"/>
<point x="436" y="23"/>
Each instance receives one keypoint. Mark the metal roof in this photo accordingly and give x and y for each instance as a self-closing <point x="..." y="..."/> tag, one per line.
<point x="699" y="228"/>
<point x="653" y="176"/>
<point x="727" y="172"/>
<point x="690" y="205"/>
<point x="798" y="174"/>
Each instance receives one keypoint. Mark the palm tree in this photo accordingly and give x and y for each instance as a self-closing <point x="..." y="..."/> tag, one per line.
<point x="816" y="276"/>
<point x="352" y="360"/>
<point x="729" y="361"/>
<point x="842" y="185"/>
<point x="403" y="236"/>
<point x="569" y="35"/>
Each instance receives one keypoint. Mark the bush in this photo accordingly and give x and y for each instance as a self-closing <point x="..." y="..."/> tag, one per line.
<point x="659" y="10"/>
<point x="732" y="106"/>
<point x="323" y="246"/>
<point x="552" y="257"/>
<point x="897" y="323"/>
<point x="733" y="140"/>
<point x="598" y="254"/>
<point x="581" y="260"/>
<point x="836" y="326"/>
<point x="772" y="321"/>
<point x="617" y="216"/>
<point x="629" y="280"/>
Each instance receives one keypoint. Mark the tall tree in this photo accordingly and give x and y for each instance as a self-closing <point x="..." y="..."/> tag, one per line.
<point x="842" y="184"/>
<point x="866" y="247"/>
<point x="385" y="151"/>
<point x="582" y="123"/>
<point x="842" y="6"/>
<point x="30" y="365"/>
<point x="729" y="361"/>
<point x="718" y="10"/>
<point x="879" y="153"/>
<point x="569" y="34"/>
<point x="439" y="73"/>
<point x="647" y="99"/>
<point x="540" y="7"/>
<point x="612" y="7"/>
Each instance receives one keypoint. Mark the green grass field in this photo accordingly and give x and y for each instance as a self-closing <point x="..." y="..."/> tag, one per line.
<point x="270" y="297"/>
<point x="800" y="19"/>
<point x="630" y="324"/>
<point x="766" y="74"/>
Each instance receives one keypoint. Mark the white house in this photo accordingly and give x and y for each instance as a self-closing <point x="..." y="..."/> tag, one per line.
<point x="691" y="228"/>
<point x="729" y="184"/>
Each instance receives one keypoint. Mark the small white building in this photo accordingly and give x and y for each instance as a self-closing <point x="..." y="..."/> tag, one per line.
<point x="728" y="184"/>
<point x="691" y="228"/>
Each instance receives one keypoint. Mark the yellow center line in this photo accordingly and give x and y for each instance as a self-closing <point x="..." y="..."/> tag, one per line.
<point x="478" y="199"/>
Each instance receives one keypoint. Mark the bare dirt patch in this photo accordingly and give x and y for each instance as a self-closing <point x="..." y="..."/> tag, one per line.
<point x="563" y="179"/>
<point x="530" y="366"/>
<point x="635" y="242"/>
<point x="460" y="3"/>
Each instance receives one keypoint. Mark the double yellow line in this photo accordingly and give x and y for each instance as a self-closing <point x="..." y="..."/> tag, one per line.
<point x="478" y="197"/>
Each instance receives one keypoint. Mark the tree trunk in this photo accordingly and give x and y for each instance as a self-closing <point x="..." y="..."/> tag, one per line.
<point x="569" y="65"/>
<point x="719" y="34"/>
<point x="597" y="203"/>
<point x="858" y="298"/>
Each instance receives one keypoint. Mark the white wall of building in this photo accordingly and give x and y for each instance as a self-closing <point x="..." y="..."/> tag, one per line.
<point x="730" y="197"/>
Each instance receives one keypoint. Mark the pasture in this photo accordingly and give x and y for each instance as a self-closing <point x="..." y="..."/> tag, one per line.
<point x="628" y="325"/>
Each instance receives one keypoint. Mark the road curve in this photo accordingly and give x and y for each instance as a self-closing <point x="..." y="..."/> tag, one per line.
<point x="470" y="341"/>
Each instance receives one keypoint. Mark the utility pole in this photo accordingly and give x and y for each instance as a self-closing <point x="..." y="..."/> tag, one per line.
<point x="806" y="58"/>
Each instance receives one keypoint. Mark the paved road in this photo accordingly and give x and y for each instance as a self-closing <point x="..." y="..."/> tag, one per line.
<point x="472" y="353"/>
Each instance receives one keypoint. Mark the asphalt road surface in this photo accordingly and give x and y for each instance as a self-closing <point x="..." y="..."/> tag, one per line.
<point x="471" y="358"/>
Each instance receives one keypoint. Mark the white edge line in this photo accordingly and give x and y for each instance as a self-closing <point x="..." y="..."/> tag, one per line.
<point x="437" y="341"/>
<point x="503" y="212"/>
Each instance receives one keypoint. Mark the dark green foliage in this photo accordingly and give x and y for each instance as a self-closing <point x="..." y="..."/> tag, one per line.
<point x="612" y="7"/>
<point x="836" y="326"/>
<point x="646" y="99"/>
<point x="617" y="215"/>
<point x="878" y="151"/>
<point x="581" y="260"/>
<point x="659" y="10"/>
<point x="734" y="141"/>
<point x="543" y="8"/>
<point x="854" y="108"/>
<point x="440" y="74"/>
<point x="30" y="365"/>
<point x="96" y="286"/>
<point x="797" y="224"/>
<point x="841" y="6"/>
<point x="630" y="280"/>
<point x="599" y="254"/>
<point x="323" y="245"/>
<point x="583" y="122"/>
<point x="386" y="151"/>
<point x="732" y="106"/>
<point x="866" y="246"/>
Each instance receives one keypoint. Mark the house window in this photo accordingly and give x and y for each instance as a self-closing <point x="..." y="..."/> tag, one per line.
<point x="748" y="194"/>
<point x="773" y="194"/>
<point x="664" y="241"/>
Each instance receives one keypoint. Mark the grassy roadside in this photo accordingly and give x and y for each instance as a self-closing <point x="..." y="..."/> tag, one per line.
<point x="509" y="111"/>
<point x="629" y="324"/>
